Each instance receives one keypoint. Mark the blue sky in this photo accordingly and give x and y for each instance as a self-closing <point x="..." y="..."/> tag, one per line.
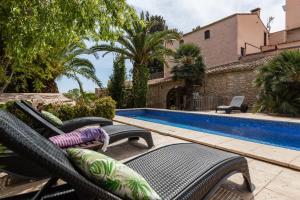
<point x="184" y="15"/>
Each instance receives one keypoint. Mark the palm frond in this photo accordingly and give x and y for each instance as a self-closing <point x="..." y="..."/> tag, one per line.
<point x="161" y="37"/>
<point x="111" y="49"/>
<point x="77" y="62"/>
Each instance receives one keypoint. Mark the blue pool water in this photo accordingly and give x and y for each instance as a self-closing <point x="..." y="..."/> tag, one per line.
<point x="283" y="134"/>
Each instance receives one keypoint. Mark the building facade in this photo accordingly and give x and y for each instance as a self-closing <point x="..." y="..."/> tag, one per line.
<point x="232" y="48"/>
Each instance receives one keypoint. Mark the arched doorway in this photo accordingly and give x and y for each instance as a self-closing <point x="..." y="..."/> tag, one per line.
<point x="175" y="98"/>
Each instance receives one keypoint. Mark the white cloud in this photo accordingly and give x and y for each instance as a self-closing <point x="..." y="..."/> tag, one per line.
<point x="188" y="14"/>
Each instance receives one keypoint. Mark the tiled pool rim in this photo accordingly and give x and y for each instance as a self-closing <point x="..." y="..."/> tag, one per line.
<point x="272" y="118"/>
<point x="276" y="155"/>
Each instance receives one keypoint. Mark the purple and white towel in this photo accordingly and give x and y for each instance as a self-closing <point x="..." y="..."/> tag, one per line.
<point x="80" y="136"/>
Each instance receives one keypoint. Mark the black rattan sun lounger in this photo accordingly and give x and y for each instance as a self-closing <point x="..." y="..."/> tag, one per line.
<point x="116" y="132"/>
<point x="68" y="125"/>
<point x="180" y="171"/>
<point x="235" y="104"/>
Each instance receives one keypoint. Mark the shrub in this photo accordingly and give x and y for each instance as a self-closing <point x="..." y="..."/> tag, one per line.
<point x="279" y="83"/>
<point x="83" y="110"/>
<point x="105" y="107"/>
<point x="63" y="111"/>
<point x="90" y="97"/>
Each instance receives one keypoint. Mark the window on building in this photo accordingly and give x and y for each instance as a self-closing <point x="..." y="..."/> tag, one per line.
<point x="265" y="39"/>
<point x="207" y="34"/>
<point x="181" y="42"/>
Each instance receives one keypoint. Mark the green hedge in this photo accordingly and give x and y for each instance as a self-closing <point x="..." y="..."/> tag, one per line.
<point x="103" y="107"/>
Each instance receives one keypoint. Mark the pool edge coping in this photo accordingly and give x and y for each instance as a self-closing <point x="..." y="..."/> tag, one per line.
<point x="289" y="165"/>
<point x="276" y="119"/>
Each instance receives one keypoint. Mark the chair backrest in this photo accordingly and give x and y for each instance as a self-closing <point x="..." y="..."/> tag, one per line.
<point x="33" y="114"/>
<point x="29" y="144"/>
<point x="237" y="101"/>
<point x="28" y="105"/>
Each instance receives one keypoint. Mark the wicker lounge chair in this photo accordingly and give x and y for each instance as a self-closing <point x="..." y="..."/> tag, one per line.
<point x="235" y="104"/>
<point x="181" y="171"/>
<point x="68" y="125"/>
<point x="116" y="132"/>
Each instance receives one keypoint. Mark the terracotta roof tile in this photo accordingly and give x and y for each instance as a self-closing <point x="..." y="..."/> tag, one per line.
<point x="231" y="67"/>
<point x="239" y="66"/>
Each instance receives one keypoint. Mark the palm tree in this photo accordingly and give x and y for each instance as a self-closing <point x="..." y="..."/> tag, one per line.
<point x="189" y="67"/>
<point x="140" y="46"/>
<point x="75" y="66"/>
<point x="279" y="83"/>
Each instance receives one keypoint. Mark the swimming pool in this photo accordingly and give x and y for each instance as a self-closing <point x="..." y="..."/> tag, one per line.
<point x="282" y="134"/>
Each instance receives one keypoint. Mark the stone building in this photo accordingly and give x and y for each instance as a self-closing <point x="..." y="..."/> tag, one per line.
<point x="233" y="48"/>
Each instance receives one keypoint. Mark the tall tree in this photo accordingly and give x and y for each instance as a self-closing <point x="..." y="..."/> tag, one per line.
<point x="279" y="84"/>
<point x="116" y="86"/>
<point x="30" y="29"/>
<point x="159" y="25"/>
<point x="140" y="47"/>
<point x="189" y="67"/>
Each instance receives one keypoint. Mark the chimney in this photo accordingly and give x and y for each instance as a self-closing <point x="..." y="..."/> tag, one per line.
<point x="256" y="11"/>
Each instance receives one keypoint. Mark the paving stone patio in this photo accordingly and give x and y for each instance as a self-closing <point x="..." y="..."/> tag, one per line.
<point x="271" y="181"/>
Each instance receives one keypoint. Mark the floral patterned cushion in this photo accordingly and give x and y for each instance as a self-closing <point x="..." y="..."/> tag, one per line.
<point x="112" y="175"/>
<point x="52" y="118"/>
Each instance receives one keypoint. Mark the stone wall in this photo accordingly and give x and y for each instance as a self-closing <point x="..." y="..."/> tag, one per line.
<point x="41" y="97"/>
<point x="227" y="85"/>
<point x="221" y="83"/>
<point x="157" y="93"/>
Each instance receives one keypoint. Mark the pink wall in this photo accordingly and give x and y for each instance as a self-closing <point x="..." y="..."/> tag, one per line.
<point x="227" y="36"/>
<point x="293" y="35"/>
<point x="250" y="30"/>
<point x="292" y="14"/>
<point x="221" y="48"/>
<point x="277" y="37"/>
